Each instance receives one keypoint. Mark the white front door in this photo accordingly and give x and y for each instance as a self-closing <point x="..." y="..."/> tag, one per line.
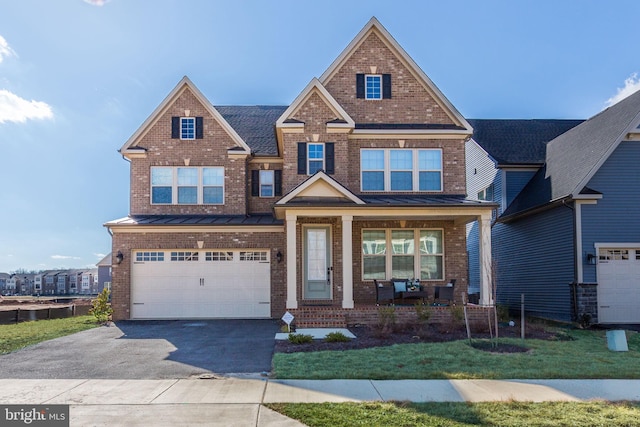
<point x="618" y="285"/>
<point x="317" y="262"/>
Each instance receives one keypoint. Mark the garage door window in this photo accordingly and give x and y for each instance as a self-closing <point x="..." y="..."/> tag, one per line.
<point x="218" y="256"/>
<point x="149" y="256"/>
<point x="614" y="254"/>
<point x="253" y="256"/>
<point x="184" y="256"/>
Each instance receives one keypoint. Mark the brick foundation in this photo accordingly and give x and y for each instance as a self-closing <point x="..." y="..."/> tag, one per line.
<point x="331" y="317"/>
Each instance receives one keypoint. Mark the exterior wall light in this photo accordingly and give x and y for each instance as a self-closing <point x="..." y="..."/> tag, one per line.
<point x="279" y="257"/>
<point x="119" y="257"/>
<point x="591" y="259"/>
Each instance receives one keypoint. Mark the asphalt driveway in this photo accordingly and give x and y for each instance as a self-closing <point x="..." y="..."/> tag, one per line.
<point x="149" y="350"/>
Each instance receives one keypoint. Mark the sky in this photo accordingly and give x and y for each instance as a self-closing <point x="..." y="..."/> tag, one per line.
<point x="78" y="77"/>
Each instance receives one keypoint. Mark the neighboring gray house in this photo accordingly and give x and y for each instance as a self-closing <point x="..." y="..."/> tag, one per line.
<point x="569" y="237"/>
<point x="104" y="273"/>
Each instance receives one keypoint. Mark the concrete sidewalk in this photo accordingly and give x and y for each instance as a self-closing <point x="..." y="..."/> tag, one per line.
<point x="238" y="401"/>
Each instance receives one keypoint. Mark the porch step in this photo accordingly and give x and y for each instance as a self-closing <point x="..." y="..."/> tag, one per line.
<point x="319" y="317"/>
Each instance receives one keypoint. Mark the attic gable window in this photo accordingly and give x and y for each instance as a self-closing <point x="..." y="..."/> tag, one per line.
<point x="187" y="128"/>
<point x="373" y="86"/>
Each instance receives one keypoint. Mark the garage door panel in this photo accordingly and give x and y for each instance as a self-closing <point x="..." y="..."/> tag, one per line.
<point x="618" y="285"/>
<point x="201" y="284"/>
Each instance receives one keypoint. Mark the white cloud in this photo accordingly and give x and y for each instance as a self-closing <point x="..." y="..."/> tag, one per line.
<point x="5" y="49"/>
<point x="64" y="257"/>
<point x="16" y="109"/>
<point x="631" y="85"/>
<point x="100" y="255"/>
<point x="97" y="2"/>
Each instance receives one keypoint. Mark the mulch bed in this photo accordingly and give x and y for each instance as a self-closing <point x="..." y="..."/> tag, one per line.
<point x="371" y="336"/>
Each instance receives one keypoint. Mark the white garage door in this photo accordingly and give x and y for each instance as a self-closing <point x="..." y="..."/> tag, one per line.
<point x="174" y="284"/>
<point x="619" y="285"/>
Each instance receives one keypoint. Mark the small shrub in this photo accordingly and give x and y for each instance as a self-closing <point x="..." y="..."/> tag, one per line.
<point x="386" y="321"/>
<point x="503" y="313"/>
<point x="300" y="338"/>
<point x="423" y="312"/>
<point x="457" y="313"/>
<point x="336" y="337"/>
<point x="101" y="308"/>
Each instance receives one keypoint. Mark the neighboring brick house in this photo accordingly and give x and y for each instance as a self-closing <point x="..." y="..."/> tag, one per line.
<point x="252" y="211"/>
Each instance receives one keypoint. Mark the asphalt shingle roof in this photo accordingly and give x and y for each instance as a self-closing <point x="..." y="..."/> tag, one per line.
<point x="573" y="156"/>
<point x="515" y="141"/>
<point x="256" y="125"/>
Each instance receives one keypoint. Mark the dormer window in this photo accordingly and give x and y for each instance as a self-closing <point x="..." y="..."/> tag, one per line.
<point x="186" y="128"/>
<point x="373" y="86"/>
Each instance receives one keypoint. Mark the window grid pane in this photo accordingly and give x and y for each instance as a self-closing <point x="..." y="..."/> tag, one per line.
<point x="373" y="86"/>
<point x="187" y="128"/>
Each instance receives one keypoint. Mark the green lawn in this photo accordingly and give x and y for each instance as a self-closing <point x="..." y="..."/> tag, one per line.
<point x="509" y="414"/>
<point x="14" y="337"/>
<point x="586" y="356"/>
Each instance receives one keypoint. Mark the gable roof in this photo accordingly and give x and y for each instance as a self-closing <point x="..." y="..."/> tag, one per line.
<point x="575" y="156"/>
<point x="374" y="26"/>
<point x="328" y="188"/>
<point x="518" y="142"/>
<point x="184" y="84"/>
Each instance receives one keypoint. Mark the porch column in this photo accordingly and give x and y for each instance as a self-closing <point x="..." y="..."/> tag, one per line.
<point x="347" y="261"/>
<point x="292" y="297"/>
<point x="486" y="274"/>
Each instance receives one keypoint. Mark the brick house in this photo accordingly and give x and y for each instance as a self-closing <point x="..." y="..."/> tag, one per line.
<point x="249" y="212"/>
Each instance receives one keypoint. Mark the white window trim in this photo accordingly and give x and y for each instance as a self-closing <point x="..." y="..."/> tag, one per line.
<point x="366" y="92"/>
<point x="415" y="172"/>
<point x="416" y="253"/>
<point x="309" y="159"/>
<point x="183" y="119"/>
<point x="175" y="186"/>
<point x="272" y="185"/>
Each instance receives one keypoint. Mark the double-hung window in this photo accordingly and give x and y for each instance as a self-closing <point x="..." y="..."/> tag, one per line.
<point x="267" y="183"/>
<point x="403" y="260"/>
<point x="373" y="86"/>
<point x="187" y="128"/>
<point x="187" y="185"/>
<point x="315" y="158"/>
<point x="401" y="169"/>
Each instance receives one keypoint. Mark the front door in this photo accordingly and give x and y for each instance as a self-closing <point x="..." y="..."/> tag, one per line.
<point x="317" y="262"/>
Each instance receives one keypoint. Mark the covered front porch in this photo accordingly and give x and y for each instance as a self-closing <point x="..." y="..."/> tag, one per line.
<point x="338" y="247"/>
